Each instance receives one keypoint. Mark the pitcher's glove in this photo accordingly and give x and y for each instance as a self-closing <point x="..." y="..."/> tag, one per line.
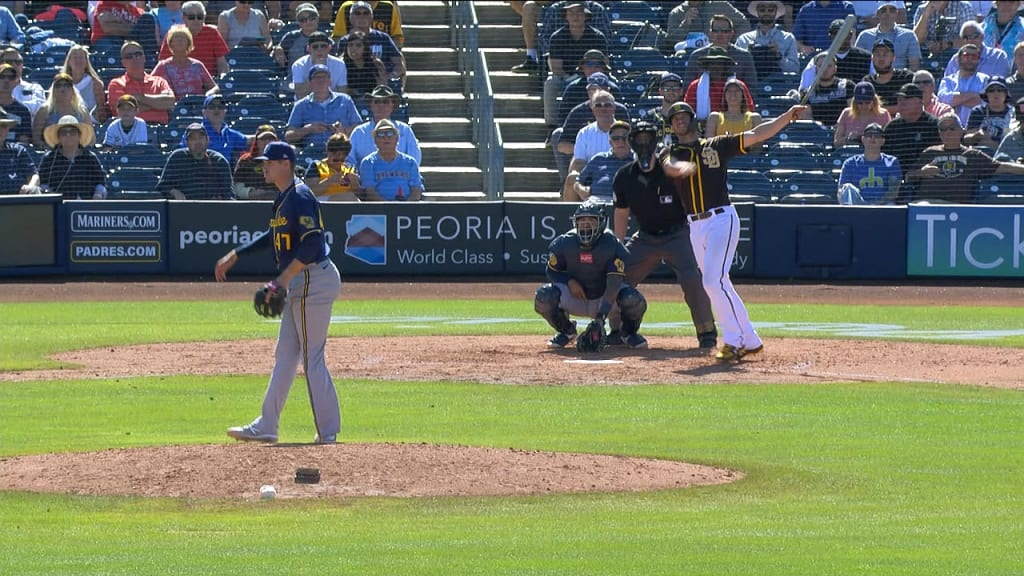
<point x="269" y="300"/>
<point x="593" y="338"/>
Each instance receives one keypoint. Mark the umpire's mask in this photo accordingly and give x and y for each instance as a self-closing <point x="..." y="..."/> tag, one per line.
<point x="643" y="139"/>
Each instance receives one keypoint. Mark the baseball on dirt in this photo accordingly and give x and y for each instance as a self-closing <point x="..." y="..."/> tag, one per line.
<point x="267" y="492"/>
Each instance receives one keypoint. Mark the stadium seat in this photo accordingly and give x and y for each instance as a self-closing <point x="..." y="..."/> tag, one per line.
<point x="311" y="153"/>
<point x="779" y="83"/>
<point x="249" y="124"/>
<point x="1000" y="190"/>
<point x="755" y="162"/>
<point x="137" y="156"/>
<point x="787" y="156"/>
<point x="190" y="105"/>
<point x="251" y="58"/>
<point x="633" y="10"/>
<point x="640" y="61"/>
<point x="263" y="105"/>
<point x="130" y="181"/>
<point x="108" y="74"/>
<point x="808" y="184"/>
<point x="749" y="186"/>
<point x="628" y="35"/>
<point x="250" y="81"/>
<point x="807" y="132"/>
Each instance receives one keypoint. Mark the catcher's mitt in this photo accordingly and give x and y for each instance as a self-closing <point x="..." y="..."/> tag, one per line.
<point x="269" y="300"/>
<point x="593" y="338"/>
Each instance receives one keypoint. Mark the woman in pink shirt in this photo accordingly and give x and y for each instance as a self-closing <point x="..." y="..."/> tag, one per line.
<point x="185" y="75"/>
<point x="865" y="108"/>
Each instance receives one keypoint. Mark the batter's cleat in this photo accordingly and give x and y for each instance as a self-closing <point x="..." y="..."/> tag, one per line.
<point x="249" y="434"/>
<point x="614" y="338"/>
<point x="329" y="439"/>
<point x="636" y="341"/>
<point x="562" y="340"/>
<point x="707" y="340"/>
<point x="728" y="353"/>
<point x="743" y="352"/>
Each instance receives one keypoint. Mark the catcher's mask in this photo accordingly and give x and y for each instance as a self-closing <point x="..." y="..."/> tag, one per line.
<point x="643" y="139"/>
<point x="589" y="222"/>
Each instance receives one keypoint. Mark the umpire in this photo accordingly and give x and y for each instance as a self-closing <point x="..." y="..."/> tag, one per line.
<point x="643" y="190"/>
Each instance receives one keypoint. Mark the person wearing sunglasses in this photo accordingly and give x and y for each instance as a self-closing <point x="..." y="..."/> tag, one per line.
<point x="721" y="34"/>
<point x="383" y="102"/>
<point x="223" y="139"/>
<point x="990" y="120"/>
<point x="575" y="91"/>
<point x="209" y="46"/>
<point x="388" y="174"/>
<point x="994" y="61"/>
<point x="293" y="43"/>
<point x="14" y="111"/>
<point x="116" y="21"/>
<point x="30" y="94"/>
<point x="195" y="172"/>
<point x="71" y="168"/>
<point x="563" y="138"/>
<point x="379" y="43"/>
<point x="383" y="16"/>
<point x="321" y="113"/>
<point x="319" y="46"/>
<point x="591" y="140"/>
<point x="687" y="24"/>
<point x="772" y="48"/>
<point x="906" y="48"/>
<point x="155" y="95"/>
<point x="334" y="179"/>
<point x="64" y="100"/>
<point x="924" y="80"/>
<point x="595" y="179"/>
<point x="16" y="162"/>
<point x="950" y="172"/>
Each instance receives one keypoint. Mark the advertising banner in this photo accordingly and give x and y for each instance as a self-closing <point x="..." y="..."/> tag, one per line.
<point x="960" y="240"/>
<point x="29" y="234"/>
<point x="116" y="236"/>
<point x="201" y="232"/>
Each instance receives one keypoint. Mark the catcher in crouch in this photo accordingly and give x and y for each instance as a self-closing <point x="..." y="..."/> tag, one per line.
<point x="586" y="267"/>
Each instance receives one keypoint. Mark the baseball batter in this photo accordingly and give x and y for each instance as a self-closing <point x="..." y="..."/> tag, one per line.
<point x="586" y="268"/>
<point x="642" y="189"/>
<point x="699" y="169"/>
<point x="297" y="234"/>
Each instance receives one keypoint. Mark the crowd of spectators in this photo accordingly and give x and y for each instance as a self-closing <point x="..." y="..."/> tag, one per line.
<point x="190" y="93"/>
<point x="901" y="68"/>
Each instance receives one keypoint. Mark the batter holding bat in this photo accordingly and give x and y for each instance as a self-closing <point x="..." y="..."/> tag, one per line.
<point x="698" y="167"/>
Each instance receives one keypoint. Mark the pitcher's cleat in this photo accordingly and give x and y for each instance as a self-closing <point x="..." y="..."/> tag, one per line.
<point x="249" y="434"/>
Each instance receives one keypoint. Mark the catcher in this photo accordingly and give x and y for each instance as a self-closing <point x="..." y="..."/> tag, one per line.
<point x="302" y="294"/>
<point x="586" y="267"/>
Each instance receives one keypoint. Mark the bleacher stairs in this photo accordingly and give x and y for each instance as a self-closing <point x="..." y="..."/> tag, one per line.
<point x="439" y="112"/>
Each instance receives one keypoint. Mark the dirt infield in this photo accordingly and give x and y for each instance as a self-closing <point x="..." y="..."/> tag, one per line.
<point x="237" y="470"/>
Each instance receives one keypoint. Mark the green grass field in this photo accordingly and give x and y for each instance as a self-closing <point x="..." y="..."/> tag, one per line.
<point x="881" y="479"/>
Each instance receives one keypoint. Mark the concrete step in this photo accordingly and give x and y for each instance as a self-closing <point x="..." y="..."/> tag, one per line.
<point x="441" y="129"/>
<point x="528" y="155"/>
<point x="423" y="12"/>
<point x="518" y="106"/>
<point x="421" y="35"/>
<point x="452" y="178"/>
<point x="438" y="104"/>
<point x="531" y="179"/>
<point x="430" y="58"/>
<point x="503" y="59"/>
<point x="532" y="196"/>
<point x="501" y="36"/>
<point x="433" y="80"/>
<point x="448" y="153"/>
<point x="506" y="82"/>
<point x="491" y="12"/>
<point x="523" y="129"/>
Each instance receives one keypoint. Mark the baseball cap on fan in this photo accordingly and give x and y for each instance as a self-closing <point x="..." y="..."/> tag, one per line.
<point x="361" y="4"/>
<point x="864" y="92"/>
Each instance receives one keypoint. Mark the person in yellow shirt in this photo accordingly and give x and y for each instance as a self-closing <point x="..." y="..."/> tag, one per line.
<point x="386" y="18"/>
<point x="331" y="179"/>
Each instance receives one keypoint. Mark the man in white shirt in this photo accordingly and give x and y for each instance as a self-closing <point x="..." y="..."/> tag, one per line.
<point x="30" y="94"/>
<point x="319" y="46"/>
<point x="593" y="138"/>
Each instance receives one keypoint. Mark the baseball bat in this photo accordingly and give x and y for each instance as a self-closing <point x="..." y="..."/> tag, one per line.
<point x="848" y="25"/>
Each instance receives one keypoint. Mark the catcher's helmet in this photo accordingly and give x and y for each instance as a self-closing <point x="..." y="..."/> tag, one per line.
<point x="589" y="222"/>
<point x="680" y="107"/>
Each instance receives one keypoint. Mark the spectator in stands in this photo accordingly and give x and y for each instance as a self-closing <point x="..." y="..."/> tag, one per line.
<point x="244" y="25"/>
<point x="70" y="168"/>
<point x="221" y="138"/>
<point x="1003" y="26"/>
<point x="563" y="138"/>
<point x="385" y="18"/>
<point x="529" y="12"/>
<point x="63" y="101"/>
<point x="87" y="81"/>
<point x="117" y="21"/>
<point x="705" y="93"/>
<point x="994" y="61"/>
<point x="1012" y="147"/>
<point x="30" y="94"/>
<point x="963" y="90"/>
<point x="388" y="174"/>
<point x="167" y="15"/>
<point x="209" y="46"/>
<point x="293" y="43"/>
<point x="772" y="48"/>
<point x="721" y="34"/>
<point x="154" y="94"/>
<point x="912" y="130"/>
<point x="381" y="45"/>
<point x="852" y="63"/>
<point x="575" y="90"/>
<point x="867" y="14"/>
<point x="687" y="23"/>
<point x="127" y="129"/>
<point x="595" y="179"/>
<point x="319" y="53"/>
<point x="938" y="22"/>
<point x="365" y="70"/>
<point x="592" y="138"/>
<point x="10" y="32"/>
<point x="16" y="162"/>
<point x="811" y="26"/>
<point x="872" y="177"/>
<point x="906" y="50"/>
<point x="734" y="117"/>
<point x="51" y="13"/>
<point x="186" y="75"/>
<point x="990" y="120"/>
<point x="568" y="44"/>
<point x="950" y="171"/>
<point x="248" y="180"/>
<point x="19" y="128"/>
<point x="1015" y="81"/>
<point x="887" y="79"/>
<point x="832" y="94"/>
<point x="924" y="80"/>
<point x="322" y="113"/>
<point x="865" y="109"/>
<point x="335" y="179"/>
<point x="383" y="103"/>
<point x="195" y="173"/>
<point x="670" y="88"/>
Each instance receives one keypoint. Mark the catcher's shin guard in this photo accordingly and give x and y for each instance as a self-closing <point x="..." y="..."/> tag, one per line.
<point x="632" y="306"/>
<point x="545" y="303"/>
